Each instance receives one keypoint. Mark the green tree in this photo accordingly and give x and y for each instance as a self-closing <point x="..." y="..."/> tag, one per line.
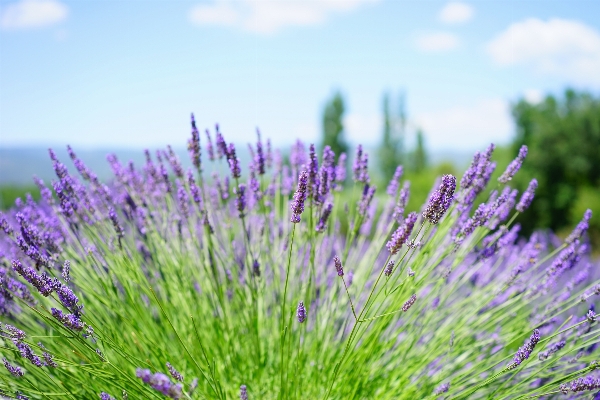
<point x="563" y="136"/>
<point x="419" y="155"/>
<point x="390" y="152"/>
<point x="333" y="126"/>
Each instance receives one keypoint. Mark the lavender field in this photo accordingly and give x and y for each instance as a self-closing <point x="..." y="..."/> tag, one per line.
<point x="290" y="278"/>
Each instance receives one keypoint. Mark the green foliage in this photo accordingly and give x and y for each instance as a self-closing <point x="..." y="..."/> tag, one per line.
<point x="9" y="193"/>
<point x="563" y="136"/>
<point x="333" y="126"/>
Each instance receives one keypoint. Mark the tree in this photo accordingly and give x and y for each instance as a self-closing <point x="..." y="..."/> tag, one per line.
<point x="333" y="126"/>
<point x="563" y="136"/>
<point x="390" y="151"/>
<point x="419" y="155"/>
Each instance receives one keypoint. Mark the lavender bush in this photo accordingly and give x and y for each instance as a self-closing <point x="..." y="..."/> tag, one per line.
<point x="287" y="280"/>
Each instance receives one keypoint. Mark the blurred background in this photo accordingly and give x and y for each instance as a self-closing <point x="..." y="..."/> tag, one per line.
<point x="419" y="83"/>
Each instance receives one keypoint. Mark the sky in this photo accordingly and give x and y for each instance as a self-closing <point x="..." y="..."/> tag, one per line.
<point x="127" y="74"/>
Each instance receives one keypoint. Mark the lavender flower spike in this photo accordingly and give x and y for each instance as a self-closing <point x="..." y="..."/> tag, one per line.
<point x="234" y="162"/>
<point x="580" y="385"/>
<point x="525" y="351"/>
<point x="174" y="373"/>
<point x="440" y="200"/>
<point x="243" y="393"/>
<point x="527" y="196"/>
<point x="106" y="396"/>
<point x="241" y="199"/>
<point x="392" y="188"/>
<point x="299" y="197"/>
<point x="443" y="388"/>
<point x="338" y="266"/>
<point x="14" y="370"/>
<point x="581" y="227"/>
<point x="324" y="217"/>
<point x="301" y="312"/>
<point x="389" y="268"/>
<point x="514" y="166"/>
<point x="408" y="304"/>
<point x="402" y="233"/>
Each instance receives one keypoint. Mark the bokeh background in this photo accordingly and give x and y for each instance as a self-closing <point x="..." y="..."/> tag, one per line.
<point x="421" y="83"/>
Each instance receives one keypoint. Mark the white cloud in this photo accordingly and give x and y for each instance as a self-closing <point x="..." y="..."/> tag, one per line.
<point x="456" y="12"/>
<point x="533" y="96"/>
<point x="558" y="47"/>
<point x="363" y="128"/>
<point x="220" y="13"/>
<point x="467" y="126"/>
<point x="437" y="42"/>
<point x="26" y="14"/>
<point x="263" y="16"/>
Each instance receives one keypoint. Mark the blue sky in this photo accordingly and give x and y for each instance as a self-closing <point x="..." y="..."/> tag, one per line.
<point x="128" y="73"/>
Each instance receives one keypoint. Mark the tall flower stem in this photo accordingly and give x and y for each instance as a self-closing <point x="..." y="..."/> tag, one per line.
<point x="283" y="328"/>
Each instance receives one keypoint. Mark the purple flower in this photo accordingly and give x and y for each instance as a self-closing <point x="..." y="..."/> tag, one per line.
<point x="234" y="162"/>
<point x="349" y="278"/>
<point x="48" y="359"/>
<point x="297" y="156"/>
<point x="209" y="147"/>
<point x="27" y="352"/>
<point x="299" y="197"/>
<point x="161" y="383"/>
<point x="440" y="200"/>
<point x="408" y="303"/>
<point x="194" y="190"/>
<point x="259" y="159"/>
<point x="5" y="225"/>
<point x="183" y="199"/>
<point x="340" y="171"/>
<point x="392" y="188"/>
<point x="591" y="316"/>
<point x="581" y="227"/>
<point x="389" y="268"/>
<point x="174" y="373"/>
<point x="514" y="166"/>
<point x="443" y="388"/>
<point x="525" y="351"/>
<point x="360" y="167"/>
<point x="553" y="349"/>
<point x="14" y="332"/>
<point x="194" y="145"/>
<point x="68" y="320"/>
<point x="365" y="201"/>
<point x="469" y="175"/>
<point x="243" y="392"/>
<point x="326" y="174"/>
<point x="14" y="370"/>
<point x="112" y="215"/>
<point x="221" y="145"/>
<point x="402" y="201"/>
<point x="41" y="282"/>
<point x="322" y="224"/>
<point x="106" y="396"/>
<point x="67" y="297"/>
<point x="269" y="156"/>
<point x="527" y="196"/>
<point x="256" y="267"/>
<point x="338" y="265"/>
<point x="241" y="199"/>
<point x="66" y="271"/>
<point x="401" y="235"/>
<point x="313" y="179"/>
<point x="301" y="312"/>
<point x="580" y="385"/>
